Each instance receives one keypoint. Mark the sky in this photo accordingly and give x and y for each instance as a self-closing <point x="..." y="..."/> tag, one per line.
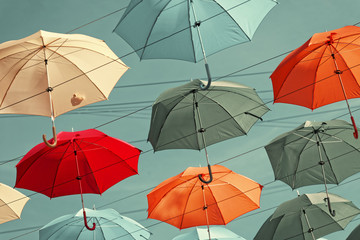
<point x="285" y="28"/>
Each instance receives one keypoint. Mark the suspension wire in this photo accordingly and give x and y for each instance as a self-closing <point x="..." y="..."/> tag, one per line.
<point x="149" y="106"/>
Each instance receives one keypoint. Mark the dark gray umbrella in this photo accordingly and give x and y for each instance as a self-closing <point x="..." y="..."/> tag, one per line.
<point x="187" y="117"/>
<point x="315" y="153"/>
<point x="307" y="218"/>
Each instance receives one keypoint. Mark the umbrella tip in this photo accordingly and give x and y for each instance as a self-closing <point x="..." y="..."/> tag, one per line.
<point x="94" y="207"/>
<point x="298" y="193"/>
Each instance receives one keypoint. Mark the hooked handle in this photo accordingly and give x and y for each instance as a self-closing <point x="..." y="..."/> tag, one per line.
<point x="55" y="138"/>
<point x="332" y="212"/>
<point x="86" y="224"/>
<point x="208" y="76"/>
<point x="356" y="135"/>
<point x="210" y="174"/>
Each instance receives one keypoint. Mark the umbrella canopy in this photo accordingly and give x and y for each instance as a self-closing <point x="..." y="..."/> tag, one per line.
<point x="49" y="74"/>
<point x="12" y="203"/>
<point x="190" y="29"/>
<point x="217" y="232"/>
<point x="168" y="28"/>
<point x="323" y="70"/>
<point x="182" y="115"/>
<point x="86" y="161"/>
<point x="306" y="218"/>
<point x="298" y="160"/>
<point x="111" y="224"/>
<point x="184" y="201"/>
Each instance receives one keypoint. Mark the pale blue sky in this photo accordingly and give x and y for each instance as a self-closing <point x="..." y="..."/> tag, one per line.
<point x="287" y="26"/>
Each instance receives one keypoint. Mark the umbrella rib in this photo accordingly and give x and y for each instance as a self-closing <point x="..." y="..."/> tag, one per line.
<point x="152" y="27"/>
<point x="88" y="164"/>
<point x="297" y="165"/>
<point x="187" y="200"/>
<point x="288" y="73"/>
<point x="49" y="149"/>
<point x="117" y="156"/>
<point x="167" y="115"/>
<point x="315" y="73"/>
<point x="227" y="12"/>
<point x="57" y="169"/>
<point x="34" y="52"/>
<point x="73" y="221"/>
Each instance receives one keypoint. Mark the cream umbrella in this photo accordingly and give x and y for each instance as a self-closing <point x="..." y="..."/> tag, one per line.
<point x="12" y="203"/>
<point x="49" y="74"/>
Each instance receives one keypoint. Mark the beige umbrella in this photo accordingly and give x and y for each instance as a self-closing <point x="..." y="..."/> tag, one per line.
<point x="12" y="203"/>
<point x="49" y="74"/>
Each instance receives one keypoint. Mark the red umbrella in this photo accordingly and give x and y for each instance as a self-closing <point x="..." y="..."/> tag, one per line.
<point x="323" y="70"/>
<point x="82" y="162"/>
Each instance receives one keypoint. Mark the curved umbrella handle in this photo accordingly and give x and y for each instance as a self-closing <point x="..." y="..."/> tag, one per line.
<point x="86" y="224"/>
<point x="210" y="174"/>
<point x="356" y="135"/>
<point x="208" y="76"/>
<point x="332" y="212"/>
<point x="55" y="138"/>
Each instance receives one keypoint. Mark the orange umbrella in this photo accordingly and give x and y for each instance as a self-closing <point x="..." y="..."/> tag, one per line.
<point x="184" y="201"/>
<point x="323" y="70"/>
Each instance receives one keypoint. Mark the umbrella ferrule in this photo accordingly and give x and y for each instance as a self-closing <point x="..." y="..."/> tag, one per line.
<point x="46" y="61"/>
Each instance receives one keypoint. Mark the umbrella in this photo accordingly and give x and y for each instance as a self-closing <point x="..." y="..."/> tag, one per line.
<point x="49" y="74"/>
<point x="306" y="217"/>
<point x="86" y="161"/>
<point x="190" y="29"/>
<point x="184" y="201"/>
<point x="354" y="235"/>
<point x="315" y="153"/>
<point x="323" y="70"/>
<point x="12" y="203"/>
<point x="217" y="232"/>
<point x="111" y="224"/>
<point x="187" y="117"/>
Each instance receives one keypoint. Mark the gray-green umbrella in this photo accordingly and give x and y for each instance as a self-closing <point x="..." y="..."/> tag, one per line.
<point x="354" y="235"/>
<point x="315" y="153"/>
<point x="307" y="218"/>
<point x="187" y="117"/>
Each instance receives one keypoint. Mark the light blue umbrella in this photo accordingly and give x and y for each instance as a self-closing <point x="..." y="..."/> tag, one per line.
<point x="190" y="29"/>
<point x="217" y="233"/>
<point x="110" y="225"/>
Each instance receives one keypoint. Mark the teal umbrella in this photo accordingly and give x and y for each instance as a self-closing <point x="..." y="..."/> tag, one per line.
<point x="315" y="153"/>
<point x="189" y="29"/>
<point x="217" y="233"/>
<point x="187" y="117"/>
<point x="307" y="218"/>
<point x="110" y="225"/>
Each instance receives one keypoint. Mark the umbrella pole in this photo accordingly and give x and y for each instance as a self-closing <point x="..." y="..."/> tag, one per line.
<point x="339" y="72"/>
<point x="311" y="230"/>
<point x="206" y="213"/>
<point x="202" y="131"/>
<point x="81" y="193"/>
<point x="322" y="163"/>
<point x="49" y="90"/>
<point x="197" y="25"/>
